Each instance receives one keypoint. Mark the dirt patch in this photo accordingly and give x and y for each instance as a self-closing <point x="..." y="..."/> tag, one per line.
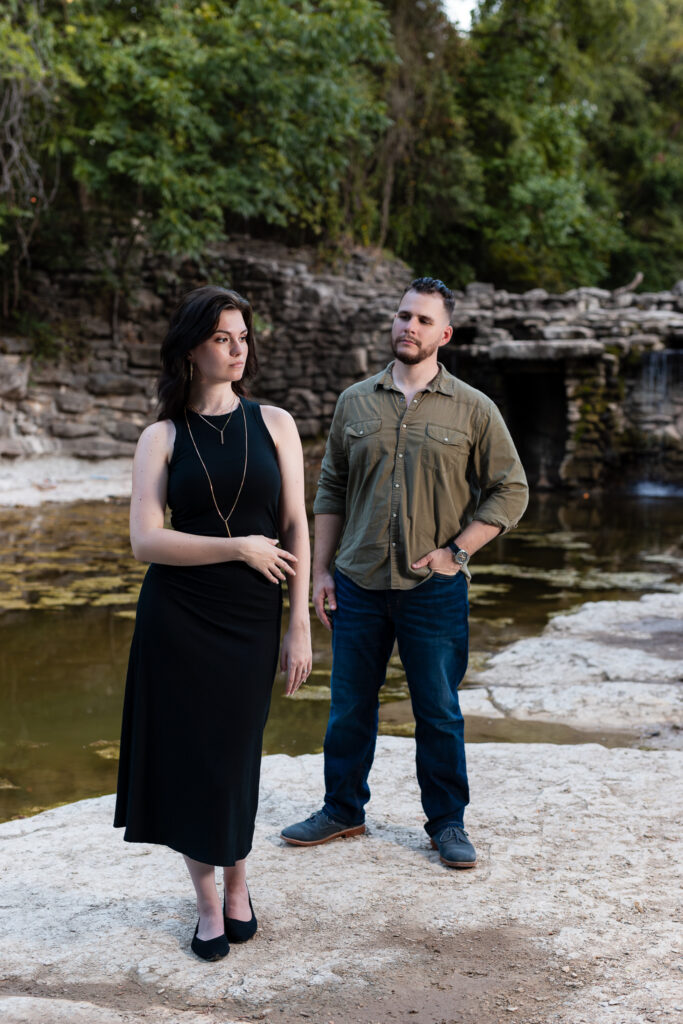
<point x="481" y="976"/>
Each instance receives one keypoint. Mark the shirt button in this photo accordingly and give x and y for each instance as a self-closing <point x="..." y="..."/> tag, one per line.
<point x="393" y="543"/>
<point x="360" y="431"/>
<point x="400" y="455"/>
<point x="445" y="438"/>
<point x="403" y="425"/>
<point x="397" y="485"/>
<point x="394" y="514"/>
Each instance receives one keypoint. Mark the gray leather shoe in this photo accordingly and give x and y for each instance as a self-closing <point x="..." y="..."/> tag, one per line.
<point x="455" y="849"/>
<point x="317" y="829"/>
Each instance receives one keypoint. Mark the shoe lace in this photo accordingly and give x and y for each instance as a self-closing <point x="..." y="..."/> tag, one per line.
<point x="453" y="832"/>
<point x="322" y="817"/>
<point x="316" y="815"/>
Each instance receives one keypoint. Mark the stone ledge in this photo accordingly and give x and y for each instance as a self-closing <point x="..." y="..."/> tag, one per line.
<point x="578" y="851"/>
<point x="567" y="348"/>
<point x="610" y="665"/>
<point x="32" y="481"/>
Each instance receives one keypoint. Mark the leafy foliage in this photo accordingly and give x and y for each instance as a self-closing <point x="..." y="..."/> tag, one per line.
<point x="559" y="83"/>
<point x="183" y="116"/>
<point x="428" y="176"/>
<point x="544" y="147"/>
<point x="31" y="71"/>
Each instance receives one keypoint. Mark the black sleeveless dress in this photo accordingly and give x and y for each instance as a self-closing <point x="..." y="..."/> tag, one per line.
<point x="203" y="657"/>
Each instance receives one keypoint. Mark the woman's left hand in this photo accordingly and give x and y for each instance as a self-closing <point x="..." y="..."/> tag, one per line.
<point x="296" y="657"/>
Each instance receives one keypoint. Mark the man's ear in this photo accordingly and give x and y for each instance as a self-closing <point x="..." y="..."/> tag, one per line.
<point x="446" y="336"/>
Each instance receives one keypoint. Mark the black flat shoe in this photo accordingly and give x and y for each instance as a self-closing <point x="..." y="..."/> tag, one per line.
<point x="240" y="931"/>
<point x="210" y="949"/>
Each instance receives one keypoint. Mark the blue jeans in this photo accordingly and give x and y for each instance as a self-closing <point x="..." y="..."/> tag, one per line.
<point x="430" y="624"/>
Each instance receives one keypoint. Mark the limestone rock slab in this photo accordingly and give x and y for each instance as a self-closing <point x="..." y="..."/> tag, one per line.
<point x="610" y="665"/>
<point x="477" y="700"/>
<point x="547" y="350"/>
<point x="14" y="374"/>
<point x="31" y="481"/>
<point x="578" y="851"/>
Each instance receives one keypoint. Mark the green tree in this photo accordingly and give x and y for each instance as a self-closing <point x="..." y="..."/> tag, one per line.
<point x="547" y="219"/>
<point x="581" y="154"/>
<point x="543" y="147"/>
<point x="293" y="84"/>
<point x="140" y="147"/>
<point x="637" y="139"/>
<point x="181" y="118"/>
<point x="31" y="72"/>
<point x="428" y="178"/>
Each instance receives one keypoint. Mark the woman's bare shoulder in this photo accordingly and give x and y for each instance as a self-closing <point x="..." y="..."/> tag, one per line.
<point x="159" y="436"/>
<point x="277" y="419"/>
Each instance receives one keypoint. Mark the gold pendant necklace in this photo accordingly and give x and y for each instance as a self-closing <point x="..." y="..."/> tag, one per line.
<point x="224" y="519"/>
<point x="213" y="425"/>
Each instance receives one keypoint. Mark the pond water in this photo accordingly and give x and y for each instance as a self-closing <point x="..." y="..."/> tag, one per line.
<point x="68" y="587"/>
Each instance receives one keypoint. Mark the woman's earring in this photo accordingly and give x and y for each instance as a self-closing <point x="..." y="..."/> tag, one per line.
<point x="191" y="370"/>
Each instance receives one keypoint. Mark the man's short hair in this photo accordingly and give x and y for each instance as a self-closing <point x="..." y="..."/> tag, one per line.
<point x="432" y="286"/>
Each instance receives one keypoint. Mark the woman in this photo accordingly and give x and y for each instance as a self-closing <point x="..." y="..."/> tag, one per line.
<point x="204" y="651"/>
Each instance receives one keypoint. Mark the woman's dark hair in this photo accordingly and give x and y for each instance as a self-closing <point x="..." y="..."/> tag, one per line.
<point x="195" y="320"/>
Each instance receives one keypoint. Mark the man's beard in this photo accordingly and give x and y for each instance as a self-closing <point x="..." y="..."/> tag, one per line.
<point x="412" y="358"/>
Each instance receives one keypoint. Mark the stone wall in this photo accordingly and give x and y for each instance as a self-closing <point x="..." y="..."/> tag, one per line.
<point x="317" y="332"/>
<point x="589" y="381"/>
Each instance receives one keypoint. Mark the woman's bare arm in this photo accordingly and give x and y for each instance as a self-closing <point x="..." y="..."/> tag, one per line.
<point x="296" y="647"/>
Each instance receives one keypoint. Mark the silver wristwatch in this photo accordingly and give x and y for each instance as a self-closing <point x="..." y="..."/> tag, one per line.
<point x="460" y="556"/>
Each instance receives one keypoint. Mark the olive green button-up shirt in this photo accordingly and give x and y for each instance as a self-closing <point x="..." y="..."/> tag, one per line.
<point x="409" y="479"/>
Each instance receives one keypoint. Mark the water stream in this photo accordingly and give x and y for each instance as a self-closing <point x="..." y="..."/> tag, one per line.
<point x="68" y="587"/>
<point x="662" y="374"/>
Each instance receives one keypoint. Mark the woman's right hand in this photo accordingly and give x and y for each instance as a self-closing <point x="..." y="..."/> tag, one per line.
<point x="263" y="553"/>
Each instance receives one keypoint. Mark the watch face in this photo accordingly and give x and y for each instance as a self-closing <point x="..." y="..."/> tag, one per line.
<point x="461" y="557"/>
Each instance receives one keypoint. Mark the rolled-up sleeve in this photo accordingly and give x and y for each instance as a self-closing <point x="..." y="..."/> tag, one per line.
<point x="501" y="477"/>
<point x="330" y="497"/>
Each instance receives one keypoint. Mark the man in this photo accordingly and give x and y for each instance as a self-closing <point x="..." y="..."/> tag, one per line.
<point x="419" y="473"/>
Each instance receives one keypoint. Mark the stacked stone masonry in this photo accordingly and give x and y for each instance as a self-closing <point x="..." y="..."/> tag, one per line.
<point x="589" y="381"/>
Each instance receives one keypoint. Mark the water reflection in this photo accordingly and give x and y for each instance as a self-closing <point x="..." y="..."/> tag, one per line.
<point x="652" y="489"/>
<point x="68" y="586"/>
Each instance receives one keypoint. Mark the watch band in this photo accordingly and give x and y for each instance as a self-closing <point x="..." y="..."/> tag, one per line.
<point x="460" y="556"/>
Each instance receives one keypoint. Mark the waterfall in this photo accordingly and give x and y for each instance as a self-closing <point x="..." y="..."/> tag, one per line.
<point x="661" y="374"/>
<point x="659" y="397"/>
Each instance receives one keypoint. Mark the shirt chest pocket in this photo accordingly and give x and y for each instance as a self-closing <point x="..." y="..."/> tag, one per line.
<point x="361" y="439"/>
<point x="445" y="448"/>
